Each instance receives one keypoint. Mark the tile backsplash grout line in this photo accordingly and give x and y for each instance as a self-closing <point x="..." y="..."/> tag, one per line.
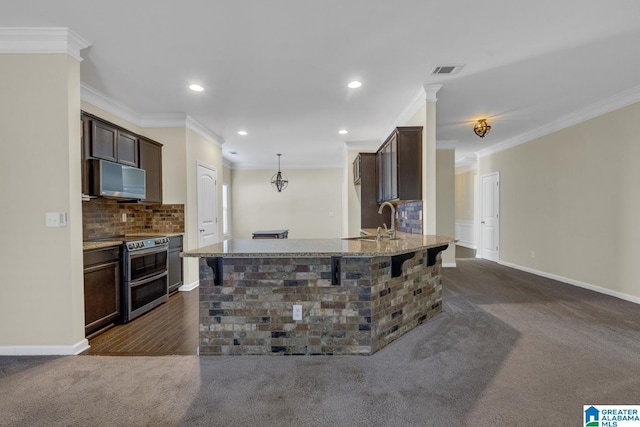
<point x="103" y="217"/>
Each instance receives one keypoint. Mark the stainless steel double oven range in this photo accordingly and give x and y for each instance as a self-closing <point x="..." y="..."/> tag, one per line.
<point x="145" y="268"/>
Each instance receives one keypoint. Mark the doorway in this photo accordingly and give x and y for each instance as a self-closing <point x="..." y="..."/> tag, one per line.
<point x="207" y="205"/>
<point x="490" y="217"/>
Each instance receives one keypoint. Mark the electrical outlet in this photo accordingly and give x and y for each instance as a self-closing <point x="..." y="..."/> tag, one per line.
<point x="533" y="254"/>
<point x="297" y="312"/>
<point x="124" y="217"/>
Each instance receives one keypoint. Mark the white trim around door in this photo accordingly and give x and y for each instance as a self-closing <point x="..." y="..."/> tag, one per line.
<point x="489" y="247"/>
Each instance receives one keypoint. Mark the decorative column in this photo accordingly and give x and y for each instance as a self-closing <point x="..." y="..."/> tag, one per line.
<point x="429" y="161"/>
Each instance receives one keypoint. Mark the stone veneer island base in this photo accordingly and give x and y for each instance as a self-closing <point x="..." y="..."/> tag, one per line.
<point x="357" y="296"/>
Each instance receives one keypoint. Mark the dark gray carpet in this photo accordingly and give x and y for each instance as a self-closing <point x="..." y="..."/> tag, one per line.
<point x="510" y="349"/>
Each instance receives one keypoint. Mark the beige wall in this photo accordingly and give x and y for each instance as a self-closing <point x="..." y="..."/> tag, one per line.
<point x="42" y="303"/>
<point x="445" y="201"/>
<point x="464" y="189"/>
<point x="199" y="149"/>
<point x="572" y="197"/>
<point x="352" y="201"/>
<point x="310" y="207"/>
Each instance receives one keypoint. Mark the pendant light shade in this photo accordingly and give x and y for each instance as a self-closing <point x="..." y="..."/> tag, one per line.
<point x="278" y="180"/>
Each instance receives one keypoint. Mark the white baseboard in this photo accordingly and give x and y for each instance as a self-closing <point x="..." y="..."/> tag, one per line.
<point x="189" y="287"/>
<point x="573" y="282"/>
<point x="44" y="350"/>
<point x="449" y="265"/>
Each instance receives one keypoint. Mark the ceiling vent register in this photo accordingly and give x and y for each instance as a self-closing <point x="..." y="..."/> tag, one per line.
<point x="447" y="69"/>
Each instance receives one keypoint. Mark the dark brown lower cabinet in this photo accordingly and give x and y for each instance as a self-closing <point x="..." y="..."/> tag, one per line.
<point x="102" y="288"/>
<point x="175" y="263"/>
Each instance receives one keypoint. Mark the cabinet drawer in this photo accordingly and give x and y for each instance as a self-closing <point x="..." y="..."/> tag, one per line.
<point x="100" y="256"/>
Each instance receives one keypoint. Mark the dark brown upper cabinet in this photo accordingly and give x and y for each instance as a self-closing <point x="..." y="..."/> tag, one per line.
<point x="399" y="165"/>
<point x="113" y="144"/>
<point x="357" y="176"/>
<point x="151" y="161"/>
<point x="85" y="123"/>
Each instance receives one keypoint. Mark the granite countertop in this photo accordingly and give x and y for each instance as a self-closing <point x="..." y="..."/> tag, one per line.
<point x="100" y="244"/>
<point x="87" y="246"/>
<point x="320" y="247"/>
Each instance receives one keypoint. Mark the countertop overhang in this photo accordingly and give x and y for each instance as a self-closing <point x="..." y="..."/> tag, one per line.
<point x="288" y="248"/>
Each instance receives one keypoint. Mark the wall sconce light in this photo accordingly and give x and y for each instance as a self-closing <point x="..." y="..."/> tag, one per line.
<point x="278" y="180"/>
<point x="482" y="128"/>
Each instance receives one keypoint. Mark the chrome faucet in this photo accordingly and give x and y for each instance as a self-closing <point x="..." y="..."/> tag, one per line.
<point x="392" y="230"/>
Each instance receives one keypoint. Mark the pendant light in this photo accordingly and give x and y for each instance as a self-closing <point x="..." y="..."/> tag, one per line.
<point x="482" y="128"/>
<point x="279" y="181"/>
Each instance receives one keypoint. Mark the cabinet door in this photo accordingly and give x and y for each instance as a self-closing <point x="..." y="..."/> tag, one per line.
<point x="175" y="270"/>
<point x="101" y="295"/>
<point x="387" y="171"/>
<point x="175" y="263"/>
<point x="127" y="149"/>
<point x="103" y="141"/>
<point x="393" y="168"/>
<point x="85" y="124"/>
<point x="356" y="170"/>
<point x="151" y="162"/>
<point x="379" y="177"/>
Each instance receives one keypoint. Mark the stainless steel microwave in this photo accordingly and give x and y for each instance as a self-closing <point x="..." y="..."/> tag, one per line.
<point x="117" y="181"/>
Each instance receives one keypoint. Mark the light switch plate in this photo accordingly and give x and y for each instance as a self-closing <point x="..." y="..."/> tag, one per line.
<point x="56" y="219"/>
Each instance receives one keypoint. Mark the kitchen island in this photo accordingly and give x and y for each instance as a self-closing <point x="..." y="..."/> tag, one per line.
<point x="348" y="296"/>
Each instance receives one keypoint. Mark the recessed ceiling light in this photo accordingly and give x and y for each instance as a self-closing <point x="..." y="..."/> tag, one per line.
<point x="196" y="88"/>
<point x="354" y="84"/>
<point x="343" y="132"/>
<point x="242" y="132"/>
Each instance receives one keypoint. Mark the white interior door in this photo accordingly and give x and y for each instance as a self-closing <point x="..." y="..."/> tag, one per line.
<point x="207" y="205"/>
<point x="490" y="217"/>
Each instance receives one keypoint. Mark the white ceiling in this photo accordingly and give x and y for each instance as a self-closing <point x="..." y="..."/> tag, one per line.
<point x="279" y="68"/>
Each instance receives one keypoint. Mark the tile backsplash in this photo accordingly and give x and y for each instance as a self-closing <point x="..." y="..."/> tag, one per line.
<point x="103" y="217"/>
<point x="410" y="217"/>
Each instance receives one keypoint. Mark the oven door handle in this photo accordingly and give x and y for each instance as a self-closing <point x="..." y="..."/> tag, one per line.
<point x="147" y="280"/>
<point x="144" y="252"/>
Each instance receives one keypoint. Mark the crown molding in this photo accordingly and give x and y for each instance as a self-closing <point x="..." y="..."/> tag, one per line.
<point x="616" y="102"/>
<point x="415" y="104"/>
<point x="163" y="120"/>
<point x="362" y="145"/>
<point x="426" y="94"/>
<point x="41" y="40"/>
<point x="110" y="105"/>
<point x="117" y="108"/>
<point x="204" y="132"/>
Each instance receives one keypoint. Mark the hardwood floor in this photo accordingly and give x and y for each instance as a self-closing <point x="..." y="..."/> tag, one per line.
<point x="462" y="252"/>
<point x="171" y="328"/>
